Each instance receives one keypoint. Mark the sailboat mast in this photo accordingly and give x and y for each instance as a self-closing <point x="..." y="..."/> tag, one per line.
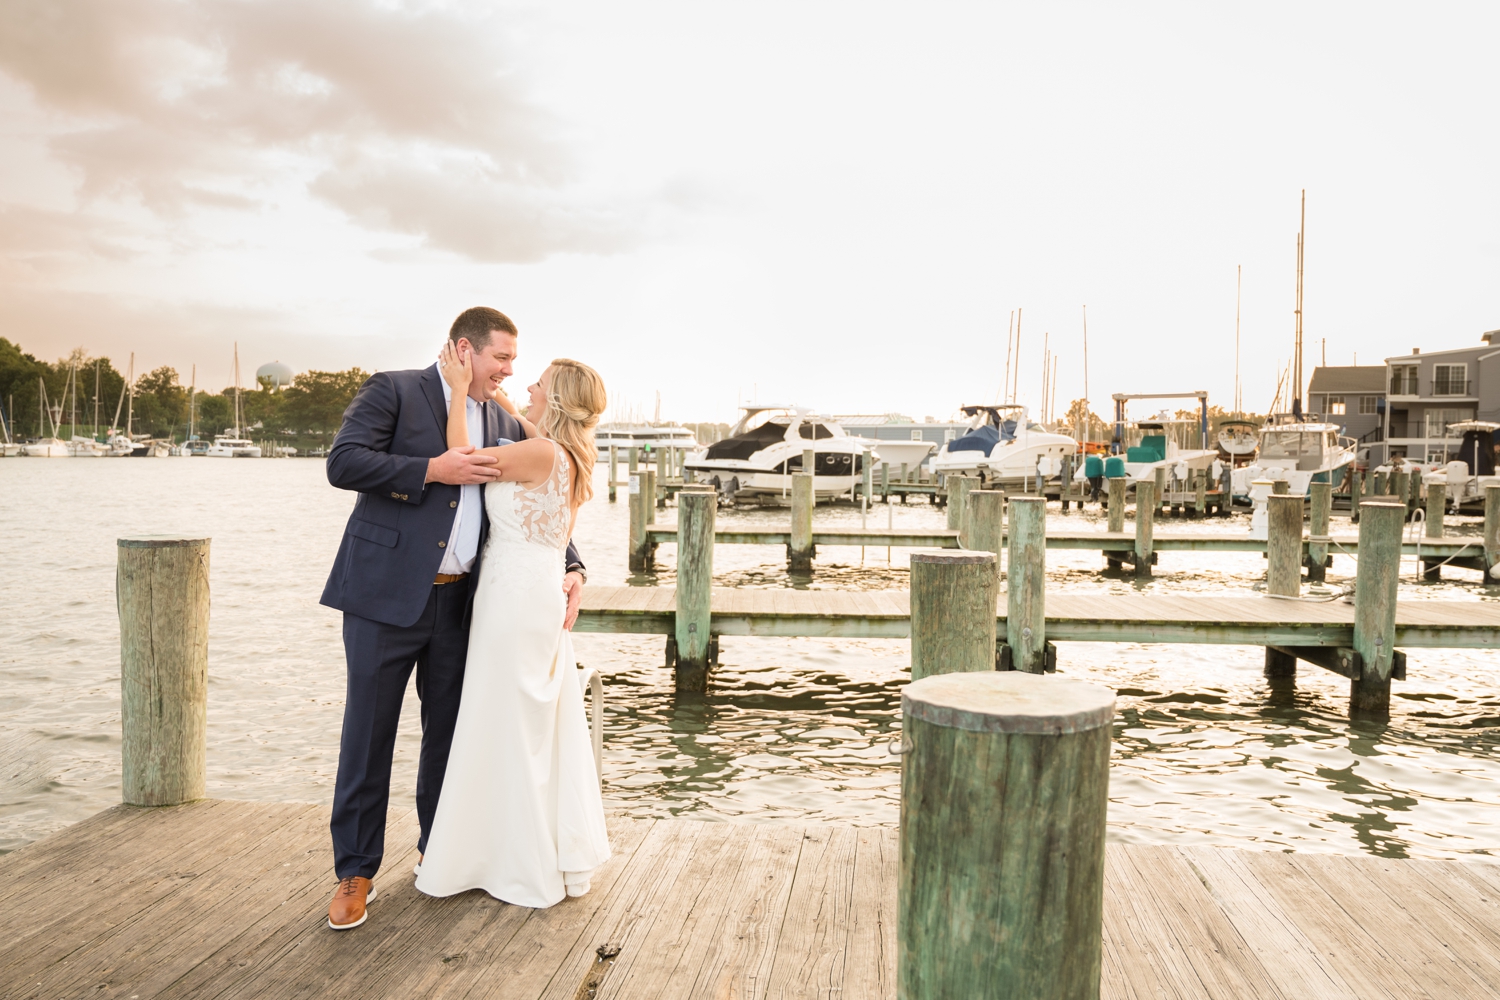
<point x="1017" y="377"/>
<point x="1088" y="429"/>
<point x="130" y="409"/>
<point x="192" y="405"/>
<point x="236" y="389"/>
<point x="1009" y="333"/>
<point x="1238" y="275"/>
<point x="96" y="399"/>
<point x="1297" y="360"/>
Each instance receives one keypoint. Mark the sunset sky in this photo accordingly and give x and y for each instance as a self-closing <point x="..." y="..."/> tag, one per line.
<point x="835" y="204"/>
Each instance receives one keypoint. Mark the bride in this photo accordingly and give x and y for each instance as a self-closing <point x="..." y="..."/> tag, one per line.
<point x="520" y="815"/>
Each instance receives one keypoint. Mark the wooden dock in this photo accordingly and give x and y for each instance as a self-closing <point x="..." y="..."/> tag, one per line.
<point x="226" y="900"/>
<point x="886" y="614"/>
<point x="1097" y="541"/>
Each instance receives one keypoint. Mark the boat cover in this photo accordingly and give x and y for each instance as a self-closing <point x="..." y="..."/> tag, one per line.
<point x="1478" y="452"/>
<point x="742" y="446"/>
<point x="1153" y="448"/>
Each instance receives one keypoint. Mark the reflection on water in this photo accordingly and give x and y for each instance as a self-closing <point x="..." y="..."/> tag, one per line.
<point x="1207" y="751"/>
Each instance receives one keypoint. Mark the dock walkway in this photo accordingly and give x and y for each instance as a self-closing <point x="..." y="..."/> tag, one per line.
<point x="886" y="614"/>
<point x="226" y="900"/>
<point x="1097" y="541"/>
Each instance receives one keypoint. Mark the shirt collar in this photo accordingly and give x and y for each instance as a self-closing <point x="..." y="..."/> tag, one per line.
<point x="469" y="402"/>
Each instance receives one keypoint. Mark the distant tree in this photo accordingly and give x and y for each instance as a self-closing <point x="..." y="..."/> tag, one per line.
<point x="315" y="401"/>
<point x="1084" y="422"/>
<point x="264" y="406"/>
<point x="160" y="403"/>
<point x="215" y="414"/>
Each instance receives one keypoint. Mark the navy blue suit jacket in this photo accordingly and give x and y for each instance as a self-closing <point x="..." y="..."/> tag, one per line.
<point x="390" y="552"/>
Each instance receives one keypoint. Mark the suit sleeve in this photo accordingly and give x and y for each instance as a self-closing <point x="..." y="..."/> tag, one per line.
<point x="360" y="458"/>
<point x="573" y="561"/>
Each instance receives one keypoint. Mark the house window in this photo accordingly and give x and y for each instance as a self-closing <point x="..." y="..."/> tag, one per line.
<point x="1403" y="380"/>
<point x="1435" y="422"/>
<point x="1336" y="406"/>
<point x="1367" y="404"/>
<point x="1450" y="380"/>
<point x="916" y="435"/>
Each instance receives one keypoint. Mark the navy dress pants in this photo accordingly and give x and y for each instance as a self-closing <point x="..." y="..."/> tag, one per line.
<point x="380" y="660"/>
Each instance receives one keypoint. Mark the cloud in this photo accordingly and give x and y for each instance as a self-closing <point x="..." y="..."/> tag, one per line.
<point x="404" y="118"/>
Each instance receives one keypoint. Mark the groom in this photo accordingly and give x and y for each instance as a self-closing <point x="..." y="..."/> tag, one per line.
<point x="404" y="579"/>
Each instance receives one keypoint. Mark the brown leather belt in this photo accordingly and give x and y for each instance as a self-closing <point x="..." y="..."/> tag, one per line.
<point x="443" y="578"/>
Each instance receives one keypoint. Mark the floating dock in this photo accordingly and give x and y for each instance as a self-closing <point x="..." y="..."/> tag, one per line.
<point x="227" y="900"/>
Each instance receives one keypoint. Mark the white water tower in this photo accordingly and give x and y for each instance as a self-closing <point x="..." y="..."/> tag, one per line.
<point x="279" y="375"/>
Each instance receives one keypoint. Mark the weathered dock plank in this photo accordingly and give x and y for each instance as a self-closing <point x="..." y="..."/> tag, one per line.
<point x="1095" y="541"/>
<point x="1251" y="621"/>
<point x="690" y="909"/>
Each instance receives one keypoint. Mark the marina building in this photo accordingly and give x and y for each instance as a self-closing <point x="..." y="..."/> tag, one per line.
<point x="1427" y="392"/>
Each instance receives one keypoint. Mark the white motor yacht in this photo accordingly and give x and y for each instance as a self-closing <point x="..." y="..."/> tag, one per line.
<point x="642" y="436"/>
<point x="1239" y="439"/>
<point x="225" y="446"/>
<point x="1030" y="448"/>
<point x="987" y="427"/>
<point x="1302" y="452"/>
<point x="765" y="447"/>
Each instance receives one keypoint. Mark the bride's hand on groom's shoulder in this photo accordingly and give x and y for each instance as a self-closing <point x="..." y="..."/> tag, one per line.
<point x="457" y="368"/>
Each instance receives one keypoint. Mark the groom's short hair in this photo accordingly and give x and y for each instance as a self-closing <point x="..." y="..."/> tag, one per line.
<point x="476" y="326"/>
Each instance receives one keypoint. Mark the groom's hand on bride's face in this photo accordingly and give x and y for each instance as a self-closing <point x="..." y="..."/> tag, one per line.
<point x="460" y="467"/>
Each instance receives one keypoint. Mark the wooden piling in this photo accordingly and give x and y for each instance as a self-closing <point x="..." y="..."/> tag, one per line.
<point x="1280" y="487"/>
<point x="1284" y="545"/>
<point x="696" y="510"/>
<point x="1004" y="791"/>
<point x="1026" y="585"/>
<point x="1160" y="482"/>
<point x="1414" y="489"/>
<point x="1491" y="532"/>
<point x="649" y="489"/>
<point x="1437" y="507"/>
<point x="1319" y="515"/>
<point x="1145" y="517"/>
<point x="1380" y="526"/>
<point x="1065" y="479"/>
<point x="1401" y="485"/>
<point x="958" y="503"/>
<point x="885" y="481"/>
<point x="642" y="551"/>
<point x="614" y="470"/>
<point x="1356" y="485"/>
<point x="866" y="481"/>
<point x="161" y="591"/>
<point x="1200" y="488"/>
<point x="1117" y="503"/>
<point x="1380" y="486"/>
<point x="799" y="551"/>
<point x="984" y="524"/>
<point x="1226" y="489"/>
<point x="953" y="600"/>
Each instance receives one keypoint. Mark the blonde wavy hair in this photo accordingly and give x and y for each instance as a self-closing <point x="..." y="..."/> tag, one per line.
<point x="575" y="401"/>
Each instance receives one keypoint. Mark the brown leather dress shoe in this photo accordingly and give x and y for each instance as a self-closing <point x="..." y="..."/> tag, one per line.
<point x="347" y="910"/>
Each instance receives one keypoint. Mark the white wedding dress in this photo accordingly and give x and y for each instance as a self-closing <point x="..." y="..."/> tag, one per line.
<point x="520" y="815"/>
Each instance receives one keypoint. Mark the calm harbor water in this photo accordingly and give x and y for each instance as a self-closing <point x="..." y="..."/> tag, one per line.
<point x="793" y="729"/>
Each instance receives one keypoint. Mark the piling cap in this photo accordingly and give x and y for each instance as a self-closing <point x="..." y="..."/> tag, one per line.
<point x="160" y="541"/>
<point x="1009" y="701"/>
<point x="951" y="557"/>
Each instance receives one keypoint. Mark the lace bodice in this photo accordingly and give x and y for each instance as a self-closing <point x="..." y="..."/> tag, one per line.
<point x="541" y="515"/>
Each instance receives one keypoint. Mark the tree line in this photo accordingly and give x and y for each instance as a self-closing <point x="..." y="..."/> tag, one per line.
<point x="311" y="407"/>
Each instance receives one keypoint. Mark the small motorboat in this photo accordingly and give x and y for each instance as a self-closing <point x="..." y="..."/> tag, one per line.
<point x="225" y="446"/>
<point x="1473" y="470"/>
<point x="1160" y="442"/>
<point x="1238" y="441"/>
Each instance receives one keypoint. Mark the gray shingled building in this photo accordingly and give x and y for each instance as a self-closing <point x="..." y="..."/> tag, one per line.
<point x="1354" y="398"/>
